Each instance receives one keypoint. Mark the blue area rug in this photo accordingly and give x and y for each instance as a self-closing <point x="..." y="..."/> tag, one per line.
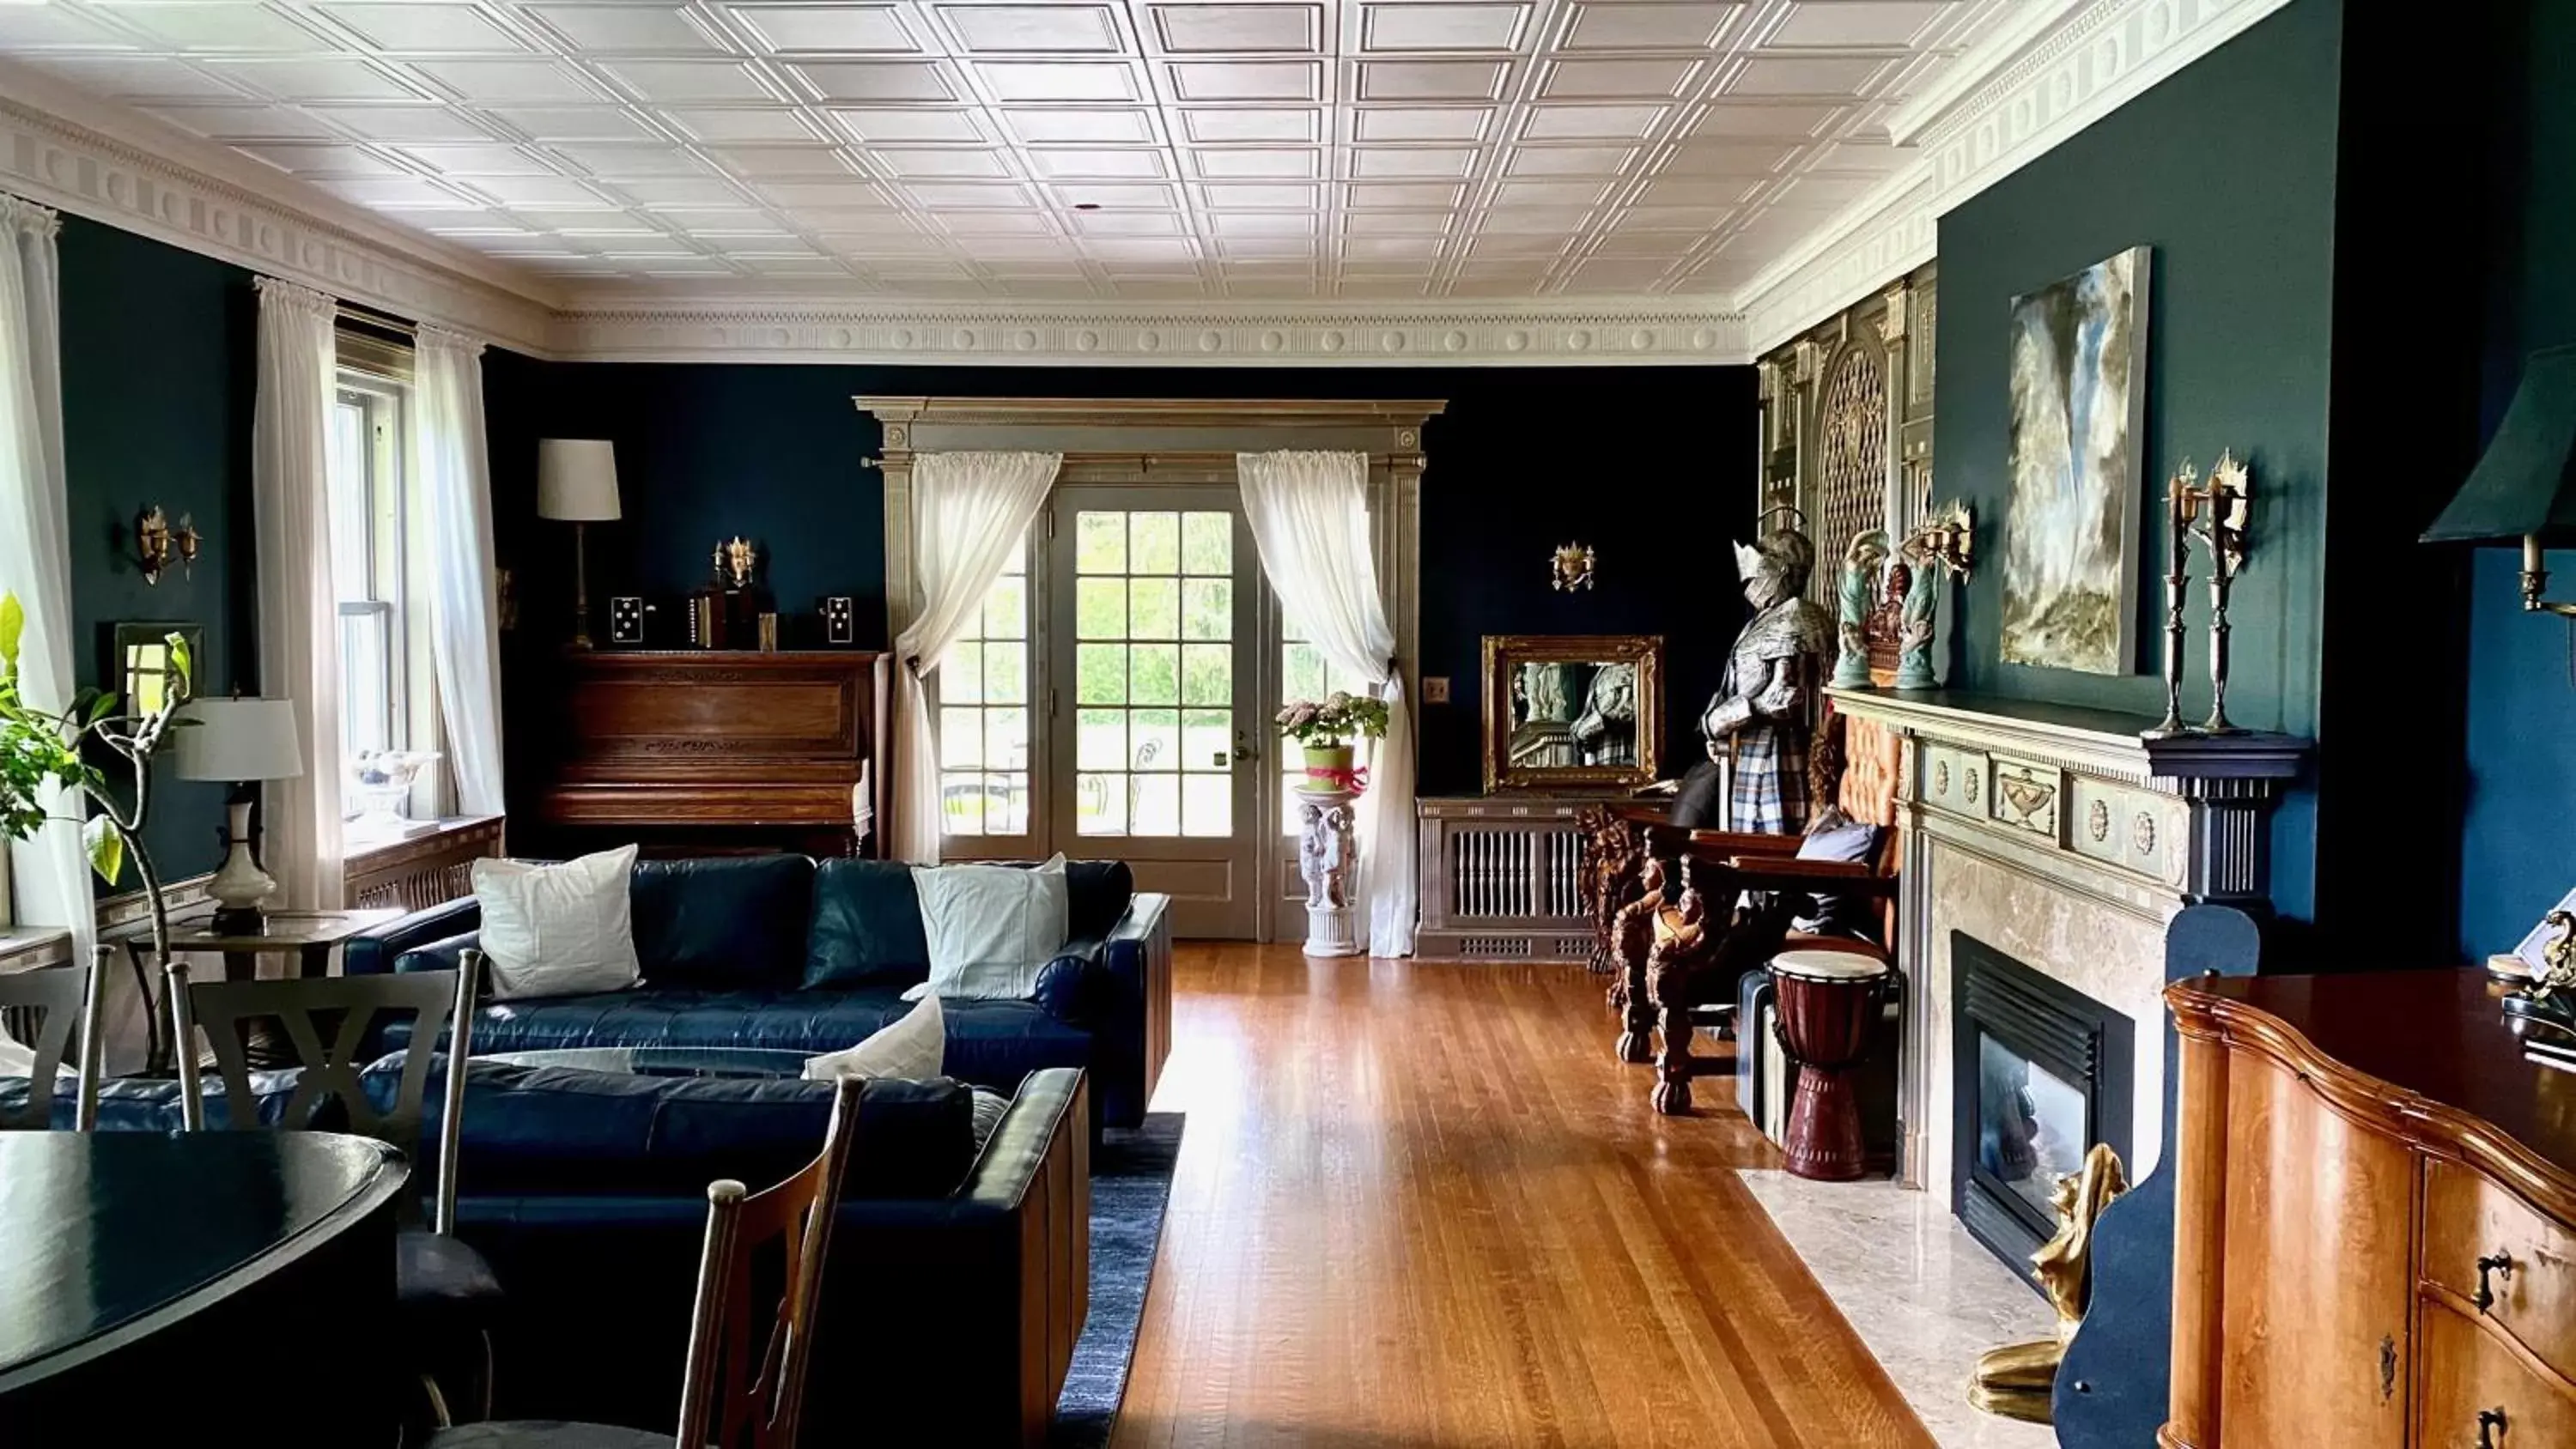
<point x="1131" y="1182"/>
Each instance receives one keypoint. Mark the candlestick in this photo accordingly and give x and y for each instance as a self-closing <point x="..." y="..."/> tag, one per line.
<point x="2179" y="497"/>
<point x="2229" y="509"/>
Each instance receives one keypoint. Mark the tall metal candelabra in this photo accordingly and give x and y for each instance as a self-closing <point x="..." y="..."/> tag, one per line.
<point x="2182" y="501"/>
<point x="2227" y="507"/>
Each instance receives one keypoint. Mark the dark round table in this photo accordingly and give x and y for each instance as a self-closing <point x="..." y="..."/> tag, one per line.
<point x="152" y="1282"/>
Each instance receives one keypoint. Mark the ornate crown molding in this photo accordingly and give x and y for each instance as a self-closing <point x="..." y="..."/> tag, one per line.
<point x="2010" y="100"/>
<point x="1127" y="335"/>
<point x="83" y="156"/>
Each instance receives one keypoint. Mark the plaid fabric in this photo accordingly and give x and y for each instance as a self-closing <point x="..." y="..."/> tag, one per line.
<point x="1770" y="788"/>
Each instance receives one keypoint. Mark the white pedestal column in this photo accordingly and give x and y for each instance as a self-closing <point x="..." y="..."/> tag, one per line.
<point x="1328" y="861"/>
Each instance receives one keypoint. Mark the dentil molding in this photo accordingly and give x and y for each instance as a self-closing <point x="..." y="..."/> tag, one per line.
<point x="2011" y="99"/>
<point x="1128" y="335"/>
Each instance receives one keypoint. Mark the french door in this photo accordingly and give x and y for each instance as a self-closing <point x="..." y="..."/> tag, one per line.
<point x="1152" y="706"/>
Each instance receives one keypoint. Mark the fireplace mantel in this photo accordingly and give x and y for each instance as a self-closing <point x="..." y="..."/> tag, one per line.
<point x="2065" y="838"/>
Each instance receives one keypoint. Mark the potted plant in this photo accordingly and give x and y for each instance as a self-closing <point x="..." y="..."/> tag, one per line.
<point x="1326" y="727"/>
<point x="41" y="750"/>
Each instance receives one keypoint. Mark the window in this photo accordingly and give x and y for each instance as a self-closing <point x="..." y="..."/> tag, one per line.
<point x="1304" y="673"/>
<point x="983" y="689"/>
<point x="379" y="563"/>
<point x="1153" y="672"/>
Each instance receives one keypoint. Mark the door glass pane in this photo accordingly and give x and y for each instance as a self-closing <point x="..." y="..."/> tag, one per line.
<point x="983" y="689"/>
<point x="1156" y="716"/>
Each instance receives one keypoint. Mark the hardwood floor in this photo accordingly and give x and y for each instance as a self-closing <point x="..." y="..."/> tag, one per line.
<point x="1421" y="1206"/>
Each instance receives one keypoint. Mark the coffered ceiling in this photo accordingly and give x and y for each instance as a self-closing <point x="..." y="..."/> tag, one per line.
<point x="1378" y="151"/>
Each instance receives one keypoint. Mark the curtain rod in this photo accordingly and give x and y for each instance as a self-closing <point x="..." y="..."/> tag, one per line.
<point x="377" y="320"/>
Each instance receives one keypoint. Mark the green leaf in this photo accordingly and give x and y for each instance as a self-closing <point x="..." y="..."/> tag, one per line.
<point x="13" y="624"/>
<point x="101" y="707"/>
<point x="182" y="664"/>
<point x="106" y="848"/>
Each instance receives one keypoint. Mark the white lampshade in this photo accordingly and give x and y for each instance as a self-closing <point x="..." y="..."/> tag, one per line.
<point x="577" y="479"/>
<point x="238" y="739"/>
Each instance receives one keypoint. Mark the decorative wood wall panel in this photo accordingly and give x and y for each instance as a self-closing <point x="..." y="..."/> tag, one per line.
<point x="425" y="871"/>
<point x="1847" y="421"/>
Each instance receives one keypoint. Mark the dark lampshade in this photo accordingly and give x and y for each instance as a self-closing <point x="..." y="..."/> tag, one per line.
<point x="2526" y="482"/>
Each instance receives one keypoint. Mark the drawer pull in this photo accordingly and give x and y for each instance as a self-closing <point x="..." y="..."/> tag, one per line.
<point x="2498" y="1263"/>
<point x="2491" y="1427"/>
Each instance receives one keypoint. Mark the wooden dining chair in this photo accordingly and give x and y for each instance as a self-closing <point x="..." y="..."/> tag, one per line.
<point x="59" y="998"/>
<point x="445" y="1290"/>
<point x="742" y="1389"/>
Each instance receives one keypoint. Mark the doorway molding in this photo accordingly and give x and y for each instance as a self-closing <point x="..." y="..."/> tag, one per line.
<point x="1132" y="441"/>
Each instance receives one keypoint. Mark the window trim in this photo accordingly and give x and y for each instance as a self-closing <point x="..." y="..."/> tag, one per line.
<point x="377" y="375"/>
<point x="1024" y="846"/>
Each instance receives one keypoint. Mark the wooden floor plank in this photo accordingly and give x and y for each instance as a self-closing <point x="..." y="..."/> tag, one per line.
<point x="1421" y="1207"/>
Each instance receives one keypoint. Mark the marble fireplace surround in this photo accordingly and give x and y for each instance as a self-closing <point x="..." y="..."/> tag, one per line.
<point x="2062" y="838"/>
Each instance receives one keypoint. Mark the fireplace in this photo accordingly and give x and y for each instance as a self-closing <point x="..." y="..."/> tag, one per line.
<point x="2041" y="1073"/>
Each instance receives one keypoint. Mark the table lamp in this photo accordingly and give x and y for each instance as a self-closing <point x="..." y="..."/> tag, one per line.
<point x="577" y="484"/>
<point x="2524" y="486"/>
<point x="241" y="742"/>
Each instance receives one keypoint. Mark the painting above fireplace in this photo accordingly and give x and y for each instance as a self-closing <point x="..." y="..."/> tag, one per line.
<point x="2042" y="1073"/>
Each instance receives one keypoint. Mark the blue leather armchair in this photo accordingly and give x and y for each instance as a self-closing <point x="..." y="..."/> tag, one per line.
<point x="778" y="951"/>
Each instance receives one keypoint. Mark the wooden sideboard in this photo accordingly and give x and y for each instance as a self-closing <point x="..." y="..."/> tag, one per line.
<point x="701" y="752"/>
<point x="2373" y="1240"/>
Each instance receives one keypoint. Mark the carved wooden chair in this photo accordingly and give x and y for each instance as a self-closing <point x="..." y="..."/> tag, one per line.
<point x="742" y="1391"/>
<point x="58" y="999"/>
<point x="445" y="1290"/>
<point x="1856" y="764"/>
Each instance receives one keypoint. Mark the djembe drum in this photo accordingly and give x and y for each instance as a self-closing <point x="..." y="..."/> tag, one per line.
<point x="1828" y="1008"/>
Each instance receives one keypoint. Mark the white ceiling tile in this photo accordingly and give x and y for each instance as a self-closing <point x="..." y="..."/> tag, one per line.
<point x="1238" y="29"/>
<point x="1263" y="223"/>
<point x="625" y="29"/>
<point x="1569" y="161"/>
<point x="984" y="224"/>
<point x="1591" y="123"/>
<point x="1507" y="246"/>
<point x="1448" y="26"/>
<point x="1726" y="158"/>
<point x="311" y="80"/>
<point x="1700" y="190"/>
<point x="718" y="221"/>
<point x="442" y="28"/>
<point x="581" y="223"/>
<point x="554" y="192"/>
<point x="1892" y="23"/>
<point x="1432" y="80"/>
<point x="568" y="123"/>
<point x="878" y="80"/>
<point x="1392" y="246"/>
<point x="508" y="82"/>
<point x="918" y="124"/>
<point x="1699" y="220"/>
<point x="1033" y="29"/>
<point x="748" y="123"/>
<point x="1805" y="76"/>
<point x="1621" y="25"/>
<point x="486" y="160"/>
<point x="400" y="123"/>
<point x="941" y="194"/>
<point x="1396" y="223"/>
<point x="236" y="123"/>
<point x="321" y="159"/>
<point x="26" y="28"/>
<point x="398" y="193"/>
<point x="1408" y="196"/>
<point x="1127" y="223"/>
<point x="1041" y="80"/>
<point x="218" y="25"/>
<point x="842" y="204"/>
<point x="953" y="163"/>
<point x="1872" y="156"/>
<point x="680" y="190"/>
<point x="616" y="161"/>
<point x="1617" y="79"/>
<point x="1115" y="197"/>
<point x="1748" y="118"/>
<point x="1128" y="164"/>
<point x="1421" y="123"/>
<point x="1095" y="123"/>
<point x="1219" y="127"/>
<point x="1826" y="191"/>
<point x="1545" y="220"/>
<point x="1382" y="163"/>
<point x="667" y="81"/>
<point x="783" y="162"/>
<point x="1220" y="164"/>
<point x="1251" y="196"/>
<point x="1550" y="193"/>
<point x="826" y="29"/>
<point x="1266" y="80"/>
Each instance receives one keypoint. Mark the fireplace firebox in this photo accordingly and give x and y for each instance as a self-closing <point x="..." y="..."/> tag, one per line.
<point x="2042" y="1072"/>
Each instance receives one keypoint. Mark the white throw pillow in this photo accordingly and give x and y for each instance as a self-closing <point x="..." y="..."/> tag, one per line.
<point x="912" y="1048"/>
<point x="991" y="928"/>
<point x="557" y="930"/>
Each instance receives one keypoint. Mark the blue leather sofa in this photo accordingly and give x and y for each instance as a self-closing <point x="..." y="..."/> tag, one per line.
<point x="778" y="951"/>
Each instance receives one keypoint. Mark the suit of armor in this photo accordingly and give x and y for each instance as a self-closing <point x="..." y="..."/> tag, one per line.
<point x="1762" y="717"/>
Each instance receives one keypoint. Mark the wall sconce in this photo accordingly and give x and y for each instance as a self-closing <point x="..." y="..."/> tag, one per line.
<point x="156" y="542"/>
<point x="1570" y="567"/>
<point x="2524" y="486"/>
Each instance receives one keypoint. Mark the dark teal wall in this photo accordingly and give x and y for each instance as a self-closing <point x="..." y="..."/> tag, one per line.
<point x="2518" y="843"/>
<point x="159" y="366"/>
<point x="2227" y="170"/>
<point x="1652" y="466"/>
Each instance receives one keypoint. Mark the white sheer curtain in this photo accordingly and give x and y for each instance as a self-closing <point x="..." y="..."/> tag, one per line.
<point x="50" y="872"/>
<point x="969" y="511"/>
<point x="299" y="608"/>
<point x="1309" y="515"/>
<point x="451" y="465"/>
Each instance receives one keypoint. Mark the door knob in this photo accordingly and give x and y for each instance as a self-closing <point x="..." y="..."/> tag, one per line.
<point x="1243" y="749"/>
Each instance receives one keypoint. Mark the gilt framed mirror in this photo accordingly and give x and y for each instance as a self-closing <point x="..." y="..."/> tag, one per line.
<point x="1572" y="711"/>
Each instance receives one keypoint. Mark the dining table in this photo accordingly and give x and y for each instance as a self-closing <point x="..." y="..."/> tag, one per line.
<point x="215" y="1286"/>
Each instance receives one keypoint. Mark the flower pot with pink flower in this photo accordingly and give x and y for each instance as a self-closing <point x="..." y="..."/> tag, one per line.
<point x="1326" y="729"/>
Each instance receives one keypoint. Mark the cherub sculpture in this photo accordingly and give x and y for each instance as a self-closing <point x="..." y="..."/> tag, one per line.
<point x="1323" y="856"/>
<point x="1760" y="719"/>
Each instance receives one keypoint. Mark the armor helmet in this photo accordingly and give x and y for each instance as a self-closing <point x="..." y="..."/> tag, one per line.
<point x="1776" y="565"/>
